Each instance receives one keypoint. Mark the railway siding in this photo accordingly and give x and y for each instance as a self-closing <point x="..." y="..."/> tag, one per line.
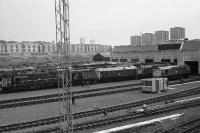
<point x="74" y="92"/>
<point x="35" y="93"/>
<point x="121" y="118"/>
<point x="55" y="97"/>
<point x="185" y="126"/>
<point x="52" y="120"/>
<point x="78" y="95"/>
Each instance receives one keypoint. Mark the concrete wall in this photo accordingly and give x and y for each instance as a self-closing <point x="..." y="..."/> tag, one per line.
<point x="155" y="55"/>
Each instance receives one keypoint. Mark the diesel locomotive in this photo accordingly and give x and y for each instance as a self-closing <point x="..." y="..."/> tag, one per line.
<point x="33" y="79"/>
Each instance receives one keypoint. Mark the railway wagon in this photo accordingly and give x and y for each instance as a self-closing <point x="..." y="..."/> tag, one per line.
<point x="43" y="80"/>
<point x="14" y="71"/>
<point x="145" y="71"/>
<point x="82" y="75"/>
<point x="95" y="65"/>
<point x="116" y="73"/>
<point x="47" y="67"/>
<point x="172" y="72"/>
<point x="29" y="81"/>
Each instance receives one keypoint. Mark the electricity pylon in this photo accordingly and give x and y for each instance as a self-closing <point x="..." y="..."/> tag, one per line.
<point x="64" y="61"/>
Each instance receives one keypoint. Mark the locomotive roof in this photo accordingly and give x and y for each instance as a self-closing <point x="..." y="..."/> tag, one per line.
<point x="172" y="66"/>
<point x="99" y="63"/>
<point x="167" y="67"/>
<point x="145" y="66"/>
<point x="77" y="70"/>
<point x="116" y="68"/>
<point x="17" y="68"/>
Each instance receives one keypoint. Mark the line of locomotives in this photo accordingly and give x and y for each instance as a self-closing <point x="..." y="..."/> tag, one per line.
<point x="32" y="79"/>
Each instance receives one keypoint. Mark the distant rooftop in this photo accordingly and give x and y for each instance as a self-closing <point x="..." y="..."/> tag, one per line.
<point x="138" y="48"/>
<point x="191" y="45"/>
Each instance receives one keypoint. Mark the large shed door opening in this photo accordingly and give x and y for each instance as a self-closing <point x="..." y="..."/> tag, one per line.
<point x="148" y="60"/>
<point x="165" y="60"/>
<point x="193" y="67"/>
<point x="123" y="60"/>
<point x="115" y="60"/>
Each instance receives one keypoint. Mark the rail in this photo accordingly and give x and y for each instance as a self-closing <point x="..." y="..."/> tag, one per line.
<point x="127" y="117"/>
<point x="53" y="120"/>
<point x="55" y="97"/>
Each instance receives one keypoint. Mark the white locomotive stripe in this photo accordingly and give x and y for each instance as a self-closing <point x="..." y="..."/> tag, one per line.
<point x="171" y="88"/>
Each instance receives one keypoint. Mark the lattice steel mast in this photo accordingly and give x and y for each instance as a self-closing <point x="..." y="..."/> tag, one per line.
<point x="64" y="61"/>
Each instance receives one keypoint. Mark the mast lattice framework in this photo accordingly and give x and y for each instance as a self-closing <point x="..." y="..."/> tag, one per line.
<point x="64" y="61"/>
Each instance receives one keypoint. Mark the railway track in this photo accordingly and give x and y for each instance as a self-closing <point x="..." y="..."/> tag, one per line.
<point x="78" y="115"/>
<point x="55" y="97"/>
<point x="186" y="127"/>
<point x="78" y="94"/>
<point x="127" y="117"/>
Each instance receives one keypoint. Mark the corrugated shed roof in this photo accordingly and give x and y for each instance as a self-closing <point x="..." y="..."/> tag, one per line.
<point x="191" y="45"/>
<point x="131" y="48"/>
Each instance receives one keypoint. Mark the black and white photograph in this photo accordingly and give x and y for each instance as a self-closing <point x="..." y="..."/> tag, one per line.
<point x="99" y="66"/>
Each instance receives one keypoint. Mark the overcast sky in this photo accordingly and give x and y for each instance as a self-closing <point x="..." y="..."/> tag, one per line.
<point x="106" y="21"/>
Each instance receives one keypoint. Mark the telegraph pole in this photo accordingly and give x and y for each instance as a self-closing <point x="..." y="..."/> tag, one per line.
<point x="64" y="61"/>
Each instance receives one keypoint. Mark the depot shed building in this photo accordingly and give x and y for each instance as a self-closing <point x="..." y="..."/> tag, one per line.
<point x="183" y="52"/>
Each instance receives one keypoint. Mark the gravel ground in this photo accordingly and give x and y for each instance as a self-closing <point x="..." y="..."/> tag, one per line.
<point x="54" y="91"/>
<point x="146" y="129"/>
<point x="34" y="112"/>
<point x="189" y="113"/>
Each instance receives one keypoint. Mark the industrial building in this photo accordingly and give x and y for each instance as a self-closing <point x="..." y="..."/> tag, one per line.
<point x="180" y="52"/>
